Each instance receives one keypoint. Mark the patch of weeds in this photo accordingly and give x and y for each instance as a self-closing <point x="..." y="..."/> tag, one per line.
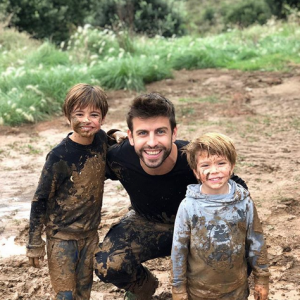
<point x="229" y="126"/>
<point x="247" y="164"/>
<point x="14" y="145"/>
<point x="7" y="169"/>
<point x="185" y="111"/>
<point x="268" y="134"/>
<point x="242" y="134"/>
<point x="267" y="121"/>
<point x="33" y="150"/>
<point x="50" y="146"/>
<point x="295" y="123"/>
<point x="191" y="129"/>
<point x="17" y="222"/>
<point x="297" y="178"/>
<point x="34" y="140"/>
<point x="120" y="188"/>
<point x="253" y="139"/>
<point x="208" y="99"/>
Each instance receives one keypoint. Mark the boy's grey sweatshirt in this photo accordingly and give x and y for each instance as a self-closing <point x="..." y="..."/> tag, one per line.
<point x="211" y="236"/>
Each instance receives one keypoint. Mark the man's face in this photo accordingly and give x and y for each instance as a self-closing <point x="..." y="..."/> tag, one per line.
<point x="152" y="139"/>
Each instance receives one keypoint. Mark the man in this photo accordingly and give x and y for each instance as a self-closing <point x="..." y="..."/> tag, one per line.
<point x="155" y="174"/>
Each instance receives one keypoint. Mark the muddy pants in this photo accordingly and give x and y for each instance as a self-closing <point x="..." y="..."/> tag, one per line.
<point x="126" y="246"/>
<point x="71" y="267"/>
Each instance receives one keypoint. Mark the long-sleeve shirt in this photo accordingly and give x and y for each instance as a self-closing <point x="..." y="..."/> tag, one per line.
<point x="211" y="236"/>
<point x="154" y="197"/>
<point x="68" y="198"/>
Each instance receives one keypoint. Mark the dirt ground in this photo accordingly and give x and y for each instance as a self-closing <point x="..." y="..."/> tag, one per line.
<point x="260" y="111"/>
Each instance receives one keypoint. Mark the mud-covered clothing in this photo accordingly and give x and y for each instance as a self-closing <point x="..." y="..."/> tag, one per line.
<point x="154" y="197"/>
<point x="146" y="231"/>
<point x="127" y="245"/>
<point x="211" y="236"/>
<point x="74" y="278"/>
<point x="68" y="198"/>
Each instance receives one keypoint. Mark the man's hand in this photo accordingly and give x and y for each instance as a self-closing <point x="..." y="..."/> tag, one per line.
<point x="261" y="292"/>
<point x="35" y="261"/>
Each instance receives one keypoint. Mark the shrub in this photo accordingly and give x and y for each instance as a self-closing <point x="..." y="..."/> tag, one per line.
<point x="246" y="14"/>
<point x="149" y="17"/>
<point x="51" y="19"/>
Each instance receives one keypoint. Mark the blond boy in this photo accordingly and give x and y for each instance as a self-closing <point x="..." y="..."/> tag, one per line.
<point x="216" y="225"/>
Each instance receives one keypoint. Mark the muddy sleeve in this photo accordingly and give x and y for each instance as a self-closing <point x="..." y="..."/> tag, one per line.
<point x="180" y="248"/>
<point x="48" y="183"/>
<point x="257" y="247"/>
<point x="111" y="137"/>
<point x="239" y="180"/>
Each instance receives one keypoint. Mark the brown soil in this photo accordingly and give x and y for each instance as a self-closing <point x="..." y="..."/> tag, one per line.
<point x="260" y="111"/>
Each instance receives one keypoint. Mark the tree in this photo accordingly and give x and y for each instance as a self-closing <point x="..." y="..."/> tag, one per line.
<point x="51" y="19"/>
<point x="142" y="16"/>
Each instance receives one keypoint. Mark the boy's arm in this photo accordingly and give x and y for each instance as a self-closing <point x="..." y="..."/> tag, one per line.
<point x="36" y="245"/>
<point x="115" y="136"/>
<point x="45" y="189"/>
<point x="258" y="254"/>
<point x="180" y="249"/>
<point x="239" y="180"/>
<point x="261" y="292"/>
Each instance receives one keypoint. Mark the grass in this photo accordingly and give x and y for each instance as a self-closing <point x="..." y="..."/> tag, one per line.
<point x="208" y="99"/>
<point x="35" y="76"/>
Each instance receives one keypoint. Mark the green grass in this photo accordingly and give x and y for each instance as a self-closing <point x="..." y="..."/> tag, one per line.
<point x="35" y="76"/>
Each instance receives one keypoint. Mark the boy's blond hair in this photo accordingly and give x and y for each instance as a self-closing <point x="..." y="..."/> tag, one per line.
<point x="213" y="144"/>
<point x="82" y="95"/>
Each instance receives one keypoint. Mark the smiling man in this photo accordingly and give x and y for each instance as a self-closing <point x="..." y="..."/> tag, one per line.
<point x="155" y="173"/>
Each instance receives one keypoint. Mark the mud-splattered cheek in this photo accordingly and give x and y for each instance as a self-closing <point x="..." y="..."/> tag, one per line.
<point x="205" y="175"/>
<point x="76" y="124"/>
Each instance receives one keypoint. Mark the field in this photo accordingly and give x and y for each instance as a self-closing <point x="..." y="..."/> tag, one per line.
<point x="259" y="110"/>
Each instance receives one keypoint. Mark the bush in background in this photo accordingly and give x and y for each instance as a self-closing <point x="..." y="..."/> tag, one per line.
<point x="51" y="19"/>
<point x="56" y="20"/>
<point x="245" y="14"/>
<point x="150" y="17"/>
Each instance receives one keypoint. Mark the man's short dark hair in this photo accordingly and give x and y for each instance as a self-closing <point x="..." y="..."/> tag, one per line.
<point x="151" y="105"/>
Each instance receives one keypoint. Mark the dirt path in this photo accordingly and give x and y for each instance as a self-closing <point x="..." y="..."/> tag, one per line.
<point x="260" y="111"/>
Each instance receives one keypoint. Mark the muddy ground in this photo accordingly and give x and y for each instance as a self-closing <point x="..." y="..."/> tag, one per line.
<point x="260" y="111"/>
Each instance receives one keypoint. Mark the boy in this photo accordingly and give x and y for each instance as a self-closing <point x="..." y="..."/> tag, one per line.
<point x="214" y="223"/>
<point x="68" y="198"/>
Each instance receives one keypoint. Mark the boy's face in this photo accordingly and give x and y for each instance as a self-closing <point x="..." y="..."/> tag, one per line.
<point x="214" y="172"/>
<point x="85" y="122"/>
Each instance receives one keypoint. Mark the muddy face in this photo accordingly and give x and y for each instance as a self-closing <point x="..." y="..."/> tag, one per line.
<point x="85" y="122"/>
<point x="214" y="172"/>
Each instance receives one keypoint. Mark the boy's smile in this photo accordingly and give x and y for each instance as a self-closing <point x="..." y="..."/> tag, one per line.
<point x="85" y="122"/>
<point x="214" y="172"/>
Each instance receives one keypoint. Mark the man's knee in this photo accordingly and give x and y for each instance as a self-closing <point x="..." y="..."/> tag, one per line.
<point x="114" y="267"/>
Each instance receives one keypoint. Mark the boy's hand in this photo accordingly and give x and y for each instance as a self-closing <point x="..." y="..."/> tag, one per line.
<point x="119" y="136"/>
<point x="180" y="296"/>
<point x="35" y="261"/>
<point x="261" y="292"/>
